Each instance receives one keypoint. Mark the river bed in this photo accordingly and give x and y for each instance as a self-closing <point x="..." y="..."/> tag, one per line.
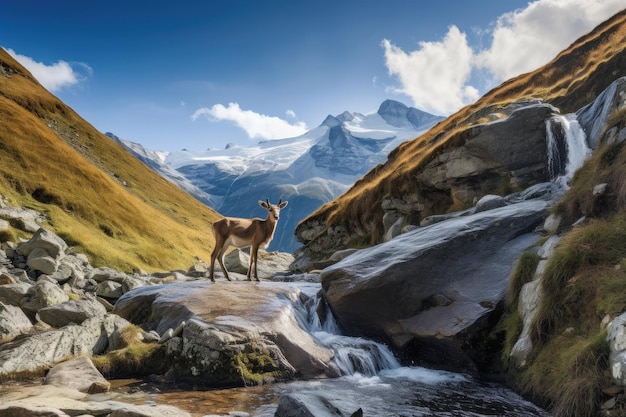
<point x="404" y="391"/>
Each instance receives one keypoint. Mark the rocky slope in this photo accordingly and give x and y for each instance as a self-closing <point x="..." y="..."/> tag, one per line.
<point x="573" y="79"/>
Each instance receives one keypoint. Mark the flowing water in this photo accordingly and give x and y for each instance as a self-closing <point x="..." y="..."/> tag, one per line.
<point x="567" y="148"/>
<point x="372" y="379"/>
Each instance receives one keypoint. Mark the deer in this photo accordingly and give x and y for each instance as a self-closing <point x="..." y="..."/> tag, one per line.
<point x="241" y="233"/>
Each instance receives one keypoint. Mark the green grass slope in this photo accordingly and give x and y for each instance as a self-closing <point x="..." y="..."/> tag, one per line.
<point x="97" y="196"/>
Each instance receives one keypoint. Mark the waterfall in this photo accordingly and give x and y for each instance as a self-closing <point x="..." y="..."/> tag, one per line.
<point x="567" y="148"/>
<point x="352" y="355"/>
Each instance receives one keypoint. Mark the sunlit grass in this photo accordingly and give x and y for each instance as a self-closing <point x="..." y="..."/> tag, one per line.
<point x="98" y="197"/>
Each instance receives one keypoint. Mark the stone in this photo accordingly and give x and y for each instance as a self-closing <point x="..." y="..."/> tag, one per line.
<point x="223" y="321"/>
<point x="13" y="322"/>
<point x="49" y="401"/>
<point x="599" y="189"/>
<point x="109" y="289"/>
<point x="14" y="293"/>
<point x="107" y="274"/>
<point x="80" y="374"/>
<point x="616" y="337"/>
<point x="33" y="355"/>
<point x="408" y="270"/>
<point x="310" y="405"/>
<point x="269" y="264"/>
<point x="489" y="202"/>
<point x="51" y="243"/>
<point x="6" y="279"/>
<point x="39" y="260"/>
<point x="73" y="311"/>
<point x="547" y="249"/>
<point x="43" y="294"/>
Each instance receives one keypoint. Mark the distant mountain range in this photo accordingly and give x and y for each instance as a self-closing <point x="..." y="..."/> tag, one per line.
<point x="307" y="170"/>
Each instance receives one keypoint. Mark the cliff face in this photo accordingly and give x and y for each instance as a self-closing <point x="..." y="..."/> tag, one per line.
<point x="487" y="147"/>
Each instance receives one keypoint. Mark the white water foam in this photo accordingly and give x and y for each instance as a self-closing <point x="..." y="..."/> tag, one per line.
<point x="567" y="147"/>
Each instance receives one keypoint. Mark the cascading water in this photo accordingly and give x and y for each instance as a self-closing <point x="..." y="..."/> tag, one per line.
<point x="352" y="355"/>
<point x="567" y="148"/>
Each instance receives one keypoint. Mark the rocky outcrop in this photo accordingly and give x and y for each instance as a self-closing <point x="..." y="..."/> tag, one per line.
<point x="509" y="152"/>
<point x="411" y="292"/>
<point x="233" y="333"/>
<point x="594" y="116"/>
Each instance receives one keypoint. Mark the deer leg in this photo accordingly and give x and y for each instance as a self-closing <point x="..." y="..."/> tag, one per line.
<point x="220" y="259"/>
<point x="252" y="264"/>
<point x="256" y="262"/>
<point x="214" y="255"/>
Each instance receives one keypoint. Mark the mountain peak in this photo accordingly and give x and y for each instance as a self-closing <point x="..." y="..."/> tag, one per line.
<point x="331" y="121"/>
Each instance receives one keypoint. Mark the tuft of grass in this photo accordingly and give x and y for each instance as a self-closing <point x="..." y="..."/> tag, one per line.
<point x="134" y="360"/>
<point x="523" y="273"/>
<point x="569" y="374"/>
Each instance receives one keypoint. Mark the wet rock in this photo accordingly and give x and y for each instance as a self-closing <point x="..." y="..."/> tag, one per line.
<point x="489" y="202"/>
<point x="50" y="401"/>
<point x="249" y="325"/>
<point x="407" y="271"/>
<point x="311" y="405"/>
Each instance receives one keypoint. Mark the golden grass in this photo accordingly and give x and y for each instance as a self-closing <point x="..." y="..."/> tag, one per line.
<point x="97" y="195"/>
<point x="574" y="78"/>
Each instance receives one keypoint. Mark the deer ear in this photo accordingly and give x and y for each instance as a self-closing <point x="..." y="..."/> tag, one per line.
<point x="263" y="204"/>
<point x="283" y="204"/>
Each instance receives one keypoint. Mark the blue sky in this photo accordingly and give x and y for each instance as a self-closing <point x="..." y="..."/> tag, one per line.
<point x="201" y="74"/>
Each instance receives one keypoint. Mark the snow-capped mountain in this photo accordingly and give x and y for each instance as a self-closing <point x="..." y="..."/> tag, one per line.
<point x="307" y="170"/>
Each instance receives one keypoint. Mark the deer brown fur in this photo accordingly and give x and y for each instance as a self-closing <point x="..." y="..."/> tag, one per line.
<point x="241" y="233"/>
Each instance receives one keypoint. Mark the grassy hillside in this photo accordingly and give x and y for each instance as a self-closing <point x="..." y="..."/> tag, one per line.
<point x="98" y="197"/>
<point x="584" y="285"/>
<point x="572" y="79"/>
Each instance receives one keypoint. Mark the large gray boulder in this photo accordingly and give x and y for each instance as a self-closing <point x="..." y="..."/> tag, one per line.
<point x="230" y="328"/>
<point x="52" y="244"/>
<point x="35" y="354"/>
<point x="13" y="322"/>
<point x="79" y="373"/>
<point x="436" y="288"/>
<point x="73" y="311"/>
<point x="43" y="294"/>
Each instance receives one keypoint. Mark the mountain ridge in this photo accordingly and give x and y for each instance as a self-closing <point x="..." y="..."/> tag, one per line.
<point x="571" y="80"/>
<point x="308" y="170"/>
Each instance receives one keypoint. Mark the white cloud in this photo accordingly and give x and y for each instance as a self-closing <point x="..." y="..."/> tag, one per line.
<point x="290" y="113"/>
<point x="436" y="76"/>
<point x="526" y="39"/>
<point x="53" y="77"/>
<point x="256" y="125"/>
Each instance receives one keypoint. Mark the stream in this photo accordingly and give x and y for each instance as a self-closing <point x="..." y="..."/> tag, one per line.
<point x="371" y="380"/>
